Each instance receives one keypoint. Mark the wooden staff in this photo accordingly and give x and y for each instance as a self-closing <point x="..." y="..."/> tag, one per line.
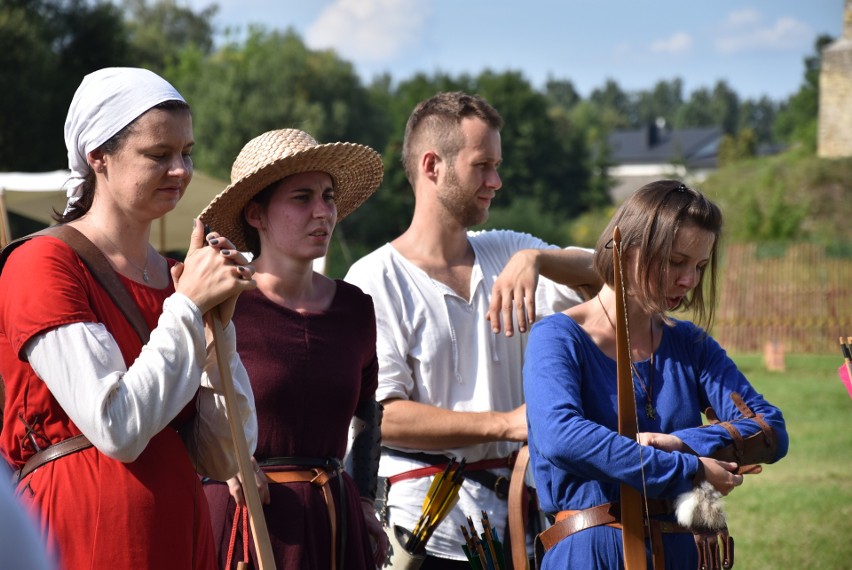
<point x="260" y="534"/>
<point x="632" y="531"/>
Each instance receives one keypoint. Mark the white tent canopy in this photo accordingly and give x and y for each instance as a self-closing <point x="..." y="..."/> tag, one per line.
<point x="36" y="195"/>
<point x="33" y="181"/>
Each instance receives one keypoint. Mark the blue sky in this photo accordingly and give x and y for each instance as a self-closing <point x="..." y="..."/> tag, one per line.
<point x="757" y="46"/>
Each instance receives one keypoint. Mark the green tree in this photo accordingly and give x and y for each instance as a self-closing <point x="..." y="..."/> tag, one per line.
<point x="160" y="30"/>
<point x="709" y="108"/>
<point x="561" y="93"/>
<point x="529" y="216"/>
<point x="759" y="116"/>
<point x="611" y="98"/>
<point x="46" y="47"/>
<point x="663" y="101"/>
<point x="270" y="81"/>
<point x="541" y="158"/>
<point x="735" y="148"/>
<point x="796" y="122"/>
<point x="579" y="127"/>
<point x="725" y="106"/>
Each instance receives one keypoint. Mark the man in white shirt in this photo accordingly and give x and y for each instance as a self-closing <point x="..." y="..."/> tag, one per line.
<point x="450" y="382"/>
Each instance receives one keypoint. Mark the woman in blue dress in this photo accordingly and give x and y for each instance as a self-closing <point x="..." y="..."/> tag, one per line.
<point x="670" y="236"/>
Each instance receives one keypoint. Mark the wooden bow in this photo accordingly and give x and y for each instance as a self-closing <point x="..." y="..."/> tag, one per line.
<point x="260" y="534"/>
<point x="632" y="531"/>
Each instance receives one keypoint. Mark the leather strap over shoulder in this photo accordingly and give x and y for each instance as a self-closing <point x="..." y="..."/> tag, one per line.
<point x="100" y="268"/>
<point x="517" y="506"/>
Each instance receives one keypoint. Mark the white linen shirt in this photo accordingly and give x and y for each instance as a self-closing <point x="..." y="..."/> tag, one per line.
<point x="437" y="348"/>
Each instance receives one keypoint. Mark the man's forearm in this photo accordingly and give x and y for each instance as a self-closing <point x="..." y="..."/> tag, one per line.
<point x="571" y="266"/>
<point x="425" y="427"/>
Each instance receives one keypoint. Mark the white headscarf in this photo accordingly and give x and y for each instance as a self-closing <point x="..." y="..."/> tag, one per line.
<point x="107" y="101"/>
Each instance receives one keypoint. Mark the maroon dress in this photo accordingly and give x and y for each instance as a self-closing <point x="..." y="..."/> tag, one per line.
<point x="309" y="372"/>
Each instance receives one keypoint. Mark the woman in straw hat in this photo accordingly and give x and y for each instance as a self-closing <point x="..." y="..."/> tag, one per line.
<point x="309" y="344"/>
<point x="109" y="423"/>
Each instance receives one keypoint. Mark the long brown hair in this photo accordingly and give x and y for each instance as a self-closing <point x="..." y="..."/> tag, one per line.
<point x="648" y="222"/>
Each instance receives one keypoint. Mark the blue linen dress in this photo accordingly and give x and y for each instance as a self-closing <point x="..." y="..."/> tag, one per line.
<point x="578" y="458"/>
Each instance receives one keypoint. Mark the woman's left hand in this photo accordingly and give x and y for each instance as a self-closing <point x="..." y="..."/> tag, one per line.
<point x="235" y="486"/>
<point x="376" y="532"/>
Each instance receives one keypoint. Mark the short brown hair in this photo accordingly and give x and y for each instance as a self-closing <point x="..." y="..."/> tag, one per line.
<point x="648" y="221"/>
<point x="437" y="121"/>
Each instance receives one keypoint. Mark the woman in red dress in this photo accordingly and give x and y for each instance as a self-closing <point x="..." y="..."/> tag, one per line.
<point x="309" y="345"/>
<point x="151" y="422"/>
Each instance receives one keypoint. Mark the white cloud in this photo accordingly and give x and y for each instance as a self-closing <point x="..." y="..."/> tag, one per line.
<point x="368" y="30"/>
<point x="786" y="34"/>
<point x="740" y="18"/>
<point x="680" y="42"/>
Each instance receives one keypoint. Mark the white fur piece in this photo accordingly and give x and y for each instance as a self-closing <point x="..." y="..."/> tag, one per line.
<point x="701" y="508"/>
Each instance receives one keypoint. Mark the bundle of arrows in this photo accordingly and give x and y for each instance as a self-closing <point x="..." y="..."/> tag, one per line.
<point x="484" y="551"/>
<point x="442" y="497"/>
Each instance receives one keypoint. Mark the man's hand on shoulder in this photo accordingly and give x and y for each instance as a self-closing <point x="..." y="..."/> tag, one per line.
<point x="514" y="293"/>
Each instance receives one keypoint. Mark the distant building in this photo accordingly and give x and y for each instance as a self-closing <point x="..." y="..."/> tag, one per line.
<point x="835" y="93"/>
<point x="643" y="155"/>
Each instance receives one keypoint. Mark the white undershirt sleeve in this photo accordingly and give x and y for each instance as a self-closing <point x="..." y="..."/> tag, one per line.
<point x="119" y="409"/>
<point x="211" y="445"/>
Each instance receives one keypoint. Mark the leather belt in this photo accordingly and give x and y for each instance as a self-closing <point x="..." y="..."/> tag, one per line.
<point x="609" y="514"/>
<point x="476" y="471"/>
<point x="319" y="477"/>
<point x="52" y="453"/>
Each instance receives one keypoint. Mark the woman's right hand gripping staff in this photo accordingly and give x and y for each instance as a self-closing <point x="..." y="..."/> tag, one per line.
<point x="213" y="277"/>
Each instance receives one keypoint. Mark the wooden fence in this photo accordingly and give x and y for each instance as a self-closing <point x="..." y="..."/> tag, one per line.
<point x="799" y="296"/>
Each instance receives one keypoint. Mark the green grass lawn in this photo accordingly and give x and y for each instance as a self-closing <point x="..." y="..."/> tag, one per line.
<point x="797" y="513"/>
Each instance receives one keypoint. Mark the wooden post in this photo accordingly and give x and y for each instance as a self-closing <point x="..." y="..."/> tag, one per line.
<point x="262" y="545"/>
<point x="773" y="356"/>
<point x="5" y="231"/>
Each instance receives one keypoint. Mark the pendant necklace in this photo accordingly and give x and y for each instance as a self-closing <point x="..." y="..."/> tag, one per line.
<point x="650" y="411"/>
<point x="144" y="269"/>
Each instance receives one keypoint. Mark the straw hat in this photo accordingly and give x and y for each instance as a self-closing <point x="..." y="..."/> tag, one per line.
<point x="355" y="169"/>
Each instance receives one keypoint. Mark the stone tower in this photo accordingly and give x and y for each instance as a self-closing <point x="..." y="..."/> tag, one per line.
<point x="835" y="94"/>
